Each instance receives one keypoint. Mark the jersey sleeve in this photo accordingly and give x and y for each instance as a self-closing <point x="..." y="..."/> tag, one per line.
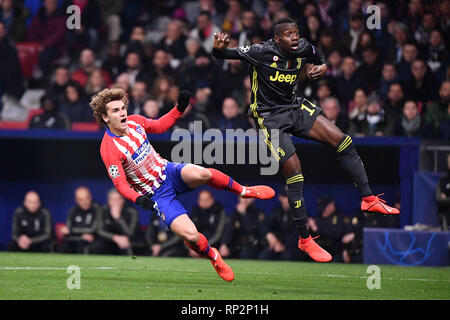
<point x="250" y="54"/>
<point x="314" y="56"/>
<point x="113" y="163"/>
<point x="160" y="125"/>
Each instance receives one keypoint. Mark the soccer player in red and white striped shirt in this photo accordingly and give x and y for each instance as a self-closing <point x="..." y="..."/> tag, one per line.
<point x="142" y="176"/>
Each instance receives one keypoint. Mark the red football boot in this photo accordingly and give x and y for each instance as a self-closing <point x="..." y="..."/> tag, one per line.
<point x="311" y="248"/>
<point x="259" y="192"/>
<point x="376" y="204"/>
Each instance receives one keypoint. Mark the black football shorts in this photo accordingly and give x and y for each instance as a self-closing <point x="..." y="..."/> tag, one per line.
<point x="277" y="127"/>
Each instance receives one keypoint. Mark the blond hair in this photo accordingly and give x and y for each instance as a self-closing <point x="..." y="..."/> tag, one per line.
<point x="100" y="100"/>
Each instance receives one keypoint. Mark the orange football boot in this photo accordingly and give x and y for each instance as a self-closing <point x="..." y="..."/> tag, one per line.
<point x="258" y="192"/>
<point x="311" y="248"/>
<point x="376" y="204"/>
<point x="222" y="269"/>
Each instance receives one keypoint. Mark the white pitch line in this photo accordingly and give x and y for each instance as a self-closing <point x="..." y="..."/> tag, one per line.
<point x="244" y="272"/>
<point x="54" y="268"/>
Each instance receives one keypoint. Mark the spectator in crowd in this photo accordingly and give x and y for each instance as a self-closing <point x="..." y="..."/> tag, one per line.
<point x="437" y="112"/>
<point x="137" y="97"/>
<point x="161" y="241"/>
<point x="87" y="34"/>
<point x="411" y="124"/>
<point x="204" y="70"/>
<point x="388" y="75"/>
<point x="332" y="111"/>
<point x="75" y="104"/>
<point x="414" y="14"/>
<point x="134" y="69"/>
<point x="244" y="232"/>
<point x="160" y="92"/>
<point x="422" y="86"/>
<point x="161" y="66"/>
<point x="204" y="30"/>
<point x="357" y="107"/>
<point x="437" y="52"/>
<point x="48" y="28"/>
<point x="374" y="121"/>
<point x="313" y="31"/>
<point x="249" y="26"/>
<point x="60" y="79"/>
<point x="150" y="109"/>
<point x="113" y="61"/>
<point x="174" y="40"/>
<point x="443" y="197"/>
<point x="423" y="31"/>
<point x="370" y="68"/>
<point x="210" y="218"/>
<point x="366" y="40"/>
<point x="11" y="80"/>
<point x="401" y="37"/>
<point x="117" y="227"/>
<point x="231" y="117"/>
<point x="342" y="21"/>
<point x="110" y="12"/>
<point x="329" y="224"/>
<point x="231" y="22"/>
<point x="334" y="63"/>
<point x="96" y="82"/>
<point x="81" y="224"/>
<point x="32" y="226"/>
<point x="395" y="101"/>
<point x="280" y="233"/>
<point x="234" y="72"/>
<point x="327" y="42"/>
<point x="322" y="91"/>
<point x="197" y="111"/>
<point x="409" y="55"/>
<point x="348" y="82"/>
<point x="86" y="67"/>
<point x="14" y="15"/>
<point x="349" y="39"/>
<point x="352" y="241"/>
<point x="50" y="118"/>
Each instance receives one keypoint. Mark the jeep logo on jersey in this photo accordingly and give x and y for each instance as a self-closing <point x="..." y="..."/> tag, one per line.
<point x="142" y="152"/>
<point x="244" y="49"/>
<point x="113" y="171"/>
<point x="281" y="77"/>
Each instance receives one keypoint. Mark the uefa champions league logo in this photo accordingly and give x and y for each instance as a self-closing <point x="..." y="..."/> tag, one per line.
<point x="401" y="257"/>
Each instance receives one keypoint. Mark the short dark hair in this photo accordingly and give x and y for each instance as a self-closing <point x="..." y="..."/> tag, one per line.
<point x="278" y="25"/>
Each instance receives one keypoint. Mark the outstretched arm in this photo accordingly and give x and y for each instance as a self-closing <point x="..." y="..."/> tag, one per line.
<point x="168" y="120"/>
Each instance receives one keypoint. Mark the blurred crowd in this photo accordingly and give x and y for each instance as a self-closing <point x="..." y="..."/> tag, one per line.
<point x="389" y="81"/>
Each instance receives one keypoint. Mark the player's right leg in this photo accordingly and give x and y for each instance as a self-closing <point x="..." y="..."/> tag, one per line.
<point x="194" y="176"/>
<point x="326" y="132"/>
<point x="185" y="228"/>
<point x="291" y="170"/>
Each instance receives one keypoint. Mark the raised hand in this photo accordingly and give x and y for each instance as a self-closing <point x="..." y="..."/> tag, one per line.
<point x="221" y="40"/>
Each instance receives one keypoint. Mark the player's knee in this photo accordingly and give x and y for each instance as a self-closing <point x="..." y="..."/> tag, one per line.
<point x="204" y="174"/>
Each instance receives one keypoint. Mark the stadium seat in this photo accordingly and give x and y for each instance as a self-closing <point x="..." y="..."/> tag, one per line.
<point x="14" y="125"/>
<point x="85" y="126"/>
<point x="28" y="53"/>
<point x="32" y="113"/>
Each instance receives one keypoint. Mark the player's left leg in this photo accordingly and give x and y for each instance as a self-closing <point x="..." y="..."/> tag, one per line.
<point x="194" y="176"/>
<point x="185" y="228"/>
<point x="327" y="132"/>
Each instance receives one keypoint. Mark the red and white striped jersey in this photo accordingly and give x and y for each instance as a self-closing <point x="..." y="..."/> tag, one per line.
<point x="133" y="164"/>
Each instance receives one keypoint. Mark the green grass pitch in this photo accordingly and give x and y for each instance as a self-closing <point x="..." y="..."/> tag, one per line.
<point x="44" y="276"/>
